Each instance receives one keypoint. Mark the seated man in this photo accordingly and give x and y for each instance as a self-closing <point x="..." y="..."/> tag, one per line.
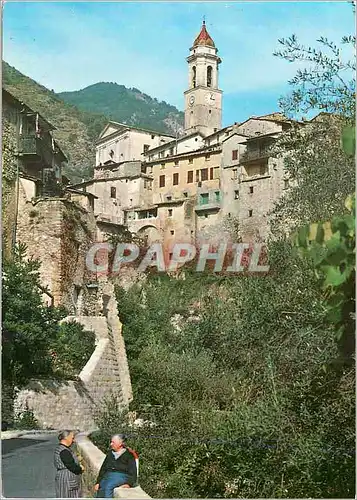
<point x="118" y="468"/>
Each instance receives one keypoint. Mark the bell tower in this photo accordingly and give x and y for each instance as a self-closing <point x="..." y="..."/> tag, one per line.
<point x="203" y="99"/>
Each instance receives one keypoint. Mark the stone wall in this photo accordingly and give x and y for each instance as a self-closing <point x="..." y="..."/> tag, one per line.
<point x="59" y="232"/>
<point x="9" y="167"/>
<point x="72" y="404"/>
<point x="92" y="458"/>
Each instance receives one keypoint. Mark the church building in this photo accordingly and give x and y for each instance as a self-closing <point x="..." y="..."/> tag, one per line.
<point x="197" y="187"/>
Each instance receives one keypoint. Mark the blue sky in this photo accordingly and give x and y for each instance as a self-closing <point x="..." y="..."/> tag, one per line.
<point x="68" y="46"/>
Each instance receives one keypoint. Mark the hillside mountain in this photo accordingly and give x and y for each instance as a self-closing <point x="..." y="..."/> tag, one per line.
<point x="128" y="106"/>
<point x="77" y="129"/>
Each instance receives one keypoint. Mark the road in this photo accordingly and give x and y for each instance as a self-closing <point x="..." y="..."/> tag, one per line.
<point x="27" y="466"/>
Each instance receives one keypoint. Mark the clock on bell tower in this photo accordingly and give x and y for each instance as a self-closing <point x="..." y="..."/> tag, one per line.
<point x="203" y="99"/>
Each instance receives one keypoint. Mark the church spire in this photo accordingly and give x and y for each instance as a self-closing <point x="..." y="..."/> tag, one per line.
<point x="203" y="38"/>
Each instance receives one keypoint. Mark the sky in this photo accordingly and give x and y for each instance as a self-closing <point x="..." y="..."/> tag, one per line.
<point x="70" y="45"/>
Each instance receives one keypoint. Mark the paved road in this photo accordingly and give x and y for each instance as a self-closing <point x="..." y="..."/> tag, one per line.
<point x="27" y="466"/>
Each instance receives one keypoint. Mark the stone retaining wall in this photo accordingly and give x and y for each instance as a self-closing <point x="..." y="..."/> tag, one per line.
<point x="72" y="404"/>
<point x="92" y="458"/>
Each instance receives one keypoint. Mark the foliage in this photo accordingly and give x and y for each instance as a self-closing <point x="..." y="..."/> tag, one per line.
<point x="31" y="330"/>
<point x="327" y="83"/>
<point x="125" y="105"/>
<point x="332" y="248"/>
<point x="259" y="409"/>
<point x="26" y="420"/>
<point x="321" y="175"/>
<point x="71" y="349"/>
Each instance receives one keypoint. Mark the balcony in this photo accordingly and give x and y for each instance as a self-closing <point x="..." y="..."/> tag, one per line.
<point x="208" y="203"/>
<point x="255" y="154"/>
<point x="213" y="206"/>
<point x="28" y="145"/>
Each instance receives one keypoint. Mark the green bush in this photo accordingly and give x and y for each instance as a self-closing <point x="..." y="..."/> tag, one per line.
<point x="26" y="420"/>
<point x="71" y="349"/>
<point x="244" y="394"/>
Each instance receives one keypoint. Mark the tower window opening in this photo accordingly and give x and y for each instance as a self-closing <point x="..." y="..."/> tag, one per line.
<point x="194" y="76"/>
<point x="209" y="76"/>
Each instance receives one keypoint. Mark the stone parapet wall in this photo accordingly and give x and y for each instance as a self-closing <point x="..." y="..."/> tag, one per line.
<point x="93" y="458"/>
<point x="72" y="404"/>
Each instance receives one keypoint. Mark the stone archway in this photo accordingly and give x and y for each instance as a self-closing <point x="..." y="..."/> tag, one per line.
<point x="150" y="233"/>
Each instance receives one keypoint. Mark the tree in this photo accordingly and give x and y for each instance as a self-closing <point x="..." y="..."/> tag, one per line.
<point x="321" y="172"/>
<point x="327" y="84"/>
<point x="32" y="335"/>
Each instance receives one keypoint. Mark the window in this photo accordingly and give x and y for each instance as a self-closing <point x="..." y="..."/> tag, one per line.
<point x="235" y="154"/>
<point x="209" y="76"/>
<point x="207" y="157"/>
<point x="176" y="179"/>
<point x="251" y="189"/>
<point x="146" y="148"/>
<point x="170" y="255"/>
<point x="169" y="198"/>
<point x="211" y="173"/>
<point x="152" y="137"/>
<point x="171" y="151"/>
<point x="204" y="199"/>
<point x="250" y="213"/>
<point x="263" y="170"/>
<point x="234" y="174"/>
<point x="218" y="196"/>
<point x="194" y="76"/>
<point x="113" y="192"/>
<point x="172" y="233"/>
<point x="204" y="174"/>
<point x="176" y="163"/>
<point x="162" y="181"/>
<point x="162" y="165"/>
<point x="169" y="212"/>
<point x="286" y="183"/>
<point x="190" y="160"/>
<point x="189" y="176"/>
<point x="197" y="176"/>
<point x="209" y="111"/>
<point x="236" y="194"/>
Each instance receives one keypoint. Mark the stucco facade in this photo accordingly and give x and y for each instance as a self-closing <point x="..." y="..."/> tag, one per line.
<point x="185" y="189"/>
<point x="120" y="143"/>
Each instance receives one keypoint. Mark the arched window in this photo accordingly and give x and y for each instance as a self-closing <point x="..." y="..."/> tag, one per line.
<point x="194" y="76"/>
<point x="209" y="76"/>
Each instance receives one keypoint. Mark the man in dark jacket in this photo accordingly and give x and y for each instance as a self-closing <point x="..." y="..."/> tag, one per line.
<point x="118" y="468"/>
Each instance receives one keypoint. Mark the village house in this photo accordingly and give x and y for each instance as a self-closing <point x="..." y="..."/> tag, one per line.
<point x="189" y="188"/>
<point x="54" y="220"/>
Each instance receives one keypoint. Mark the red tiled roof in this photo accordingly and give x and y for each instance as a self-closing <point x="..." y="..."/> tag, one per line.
<point x="203" y="38"/>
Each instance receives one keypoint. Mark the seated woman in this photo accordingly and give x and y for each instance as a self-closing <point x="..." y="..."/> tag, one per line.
<point x="118" y="468"/>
